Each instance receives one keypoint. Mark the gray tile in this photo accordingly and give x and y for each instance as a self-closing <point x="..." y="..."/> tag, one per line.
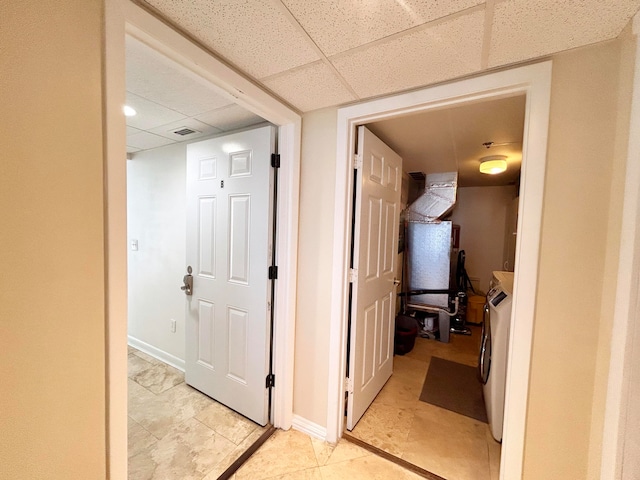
<point x="227" y="423"/>
<point x="188" y="452"/>
<point x="136" y="365"/>
<point x="139" y="440"/>
<point x="158" y="414"/>
<point x="158" y="378"/>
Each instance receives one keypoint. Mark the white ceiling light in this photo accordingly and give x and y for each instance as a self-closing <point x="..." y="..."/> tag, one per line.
<point x="493" y="164"/>
<point x="129" y="111"/>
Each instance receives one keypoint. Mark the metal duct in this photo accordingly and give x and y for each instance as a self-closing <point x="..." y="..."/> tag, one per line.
<point x="438" y="198"/>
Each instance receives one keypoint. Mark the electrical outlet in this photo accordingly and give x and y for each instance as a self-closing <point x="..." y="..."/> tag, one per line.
<point x="173" y="326"/>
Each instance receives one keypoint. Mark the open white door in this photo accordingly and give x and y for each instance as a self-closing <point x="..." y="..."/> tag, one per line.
<point x="375" y="252"/>
<point x="229" y="185"/>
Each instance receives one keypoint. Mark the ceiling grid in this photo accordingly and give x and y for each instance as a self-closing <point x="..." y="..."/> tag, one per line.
<point x="364" y="43"/>
<point x="321" y="53"/>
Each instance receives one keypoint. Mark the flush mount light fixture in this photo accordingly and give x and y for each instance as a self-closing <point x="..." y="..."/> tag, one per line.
<point x="493" y="164"/>
<point x="129" y="111"/>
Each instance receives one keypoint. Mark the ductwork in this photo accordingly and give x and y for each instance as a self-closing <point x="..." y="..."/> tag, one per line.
<point x="438" y="198"/>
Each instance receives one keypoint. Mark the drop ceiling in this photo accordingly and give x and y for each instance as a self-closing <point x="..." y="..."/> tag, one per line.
<point x="169" y="99"/>
<point x="321" y="53"/>
<point x="315" y="54"/>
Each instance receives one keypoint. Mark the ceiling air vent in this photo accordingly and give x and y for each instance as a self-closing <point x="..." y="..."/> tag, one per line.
<point x="419" y="176"/>
<point x="185" y="131"/>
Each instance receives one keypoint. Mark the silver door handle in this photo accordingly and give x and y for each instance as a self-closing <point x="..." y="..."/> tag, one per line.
<point x="188" y="282"/>
<point x="396" y="281"/>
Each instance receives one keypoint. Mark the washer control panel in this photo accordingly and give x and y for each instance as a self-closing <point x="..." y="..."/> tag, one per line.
<point x="498" y="298"/>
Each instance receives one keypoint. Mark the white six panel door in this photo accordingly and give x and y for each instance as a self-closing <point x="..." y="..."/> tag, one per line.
<point x="229" y="185"/>
<point x="377" y="214"/>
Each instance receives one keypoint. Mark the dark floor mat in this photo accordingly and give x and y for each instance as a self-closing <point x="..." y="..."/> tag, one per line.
<point x="455" y="387"/>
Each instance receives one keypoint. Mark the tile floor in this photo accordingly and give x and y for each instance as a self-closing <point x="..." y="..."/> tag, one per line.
<point x="440" y="441"/>
<point x="293" y="455"/>
<point x="175" y="432"/>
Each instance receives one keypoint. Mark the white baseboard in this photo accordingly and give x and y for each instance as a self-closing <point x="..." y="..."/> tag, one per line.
<point x="305" y="426"/>
<point x="156" y="353"/>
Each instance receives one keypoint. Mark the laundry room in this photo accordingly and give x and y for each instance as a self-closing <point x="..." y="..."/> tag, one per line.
<point x="441" y="409"/>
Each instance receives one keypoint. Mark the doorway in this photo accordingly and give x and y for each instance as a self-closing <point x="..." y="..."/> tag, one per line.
<point x="167" y="417"/>
<point x="448" y="433"/>
<point x="532" y="81"/>
<point x="125" y="17"/>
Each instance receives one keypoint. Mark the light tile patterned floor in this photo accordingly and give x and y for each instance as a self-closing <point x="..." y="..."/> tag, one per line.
<point x="293" y="455"/>
<point x="175" y="432"/>
<point x="440" y="441"/>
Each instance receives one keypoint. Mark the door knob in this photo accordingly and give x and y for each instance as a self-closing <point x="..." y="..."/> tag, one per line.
<point x="396" y="281"/>
<point x="188" y="282"/>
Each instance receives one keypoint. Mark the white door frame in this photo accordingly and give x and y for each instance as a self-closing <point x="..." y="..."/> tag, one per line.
<point x="122" y="16"/>
<point x="532" y="80"/>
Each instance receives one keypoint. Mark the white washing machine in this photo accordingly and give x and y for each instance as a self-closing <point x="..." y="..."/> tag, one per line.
<point x="493" y="348"/>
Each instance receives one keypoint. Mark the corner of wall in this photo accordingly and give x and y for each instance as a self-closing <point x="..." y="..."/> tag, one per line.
<point x="605" y="459"/>
<point x="317" y="179"/>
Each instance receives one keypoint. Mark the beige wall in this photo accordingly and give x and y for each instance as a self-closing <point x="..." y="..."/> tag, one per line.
<point x="52" y="329"/>
<point x="481" y="213"/>
<point x="625" y="87"/>
<point x="579" y="247"/>
<point x="317" y="187"/>
<point x="580" y="234"/>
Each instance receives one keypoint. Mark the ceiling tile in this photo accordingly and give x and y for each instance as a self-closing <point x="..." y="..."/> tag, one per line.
<point x="339" y="26"/>
<point x="154" y="76"/>
<point x="310" y="87"/>
<point x="132" y="149"/>
<point x="150" y="114"/>
<point x="229" y="118"/>
<point x="435" y="53"/>
<point x="145" y="140"/>
<point x="525" y="29"/>
<point x="131" y="130"/>
<point x="255" y="35"/>
<point x="201" y="129"/>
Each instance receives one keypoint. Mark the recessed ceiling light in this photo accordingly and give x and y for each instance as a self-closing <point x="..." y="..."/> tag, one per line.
<point x="129" y="111"/>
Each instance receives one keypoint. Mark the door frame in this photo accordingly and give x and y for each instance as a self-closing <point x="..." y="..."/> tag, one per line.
<point x="124" y="17"/>
<point x="533" y="80"/>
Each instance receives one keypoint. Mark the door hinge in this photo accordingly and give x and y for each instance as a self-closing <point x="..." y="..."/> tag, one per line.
<point x="353" y="275"/>
<point x="273" y="273"/>
<point x="275" y="160"/>
<point x="270" y="381"/>
<point x="348" y="385"/>
<point x="357" y="161"/>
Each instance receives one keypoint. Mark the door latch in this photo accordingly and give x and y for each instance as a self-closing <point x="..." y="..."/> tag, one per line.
<point x="188" y="282"/>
